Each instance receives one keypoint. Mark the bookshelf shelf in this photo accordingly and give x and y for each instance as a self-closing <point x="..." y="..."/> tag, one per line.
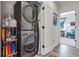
<point x="11" y="40"/>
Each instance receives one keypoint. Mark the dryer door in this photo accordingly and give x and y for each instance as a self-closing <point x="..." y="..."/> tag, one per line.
<point x="30" y="43"/>
<point x="29" y="13"/>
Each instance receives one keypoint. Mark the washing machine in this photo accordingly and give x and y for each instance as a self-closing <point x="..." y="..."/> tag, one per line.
<point x="26" y="13"/>
<point x="29" y="43"/>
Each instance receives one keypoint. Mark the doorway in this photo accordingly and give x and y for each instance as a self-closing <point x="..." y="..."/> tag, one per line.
<point x="67" y="28"/>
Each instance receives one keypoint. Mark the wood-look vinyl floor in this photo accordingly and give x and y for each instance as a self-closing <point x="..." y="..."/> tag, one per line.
<point x="64" y="51"/>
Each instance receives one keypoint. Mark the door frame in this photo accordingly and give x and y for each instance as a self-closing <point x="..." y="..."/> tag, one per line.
<point x="75" y="29"/>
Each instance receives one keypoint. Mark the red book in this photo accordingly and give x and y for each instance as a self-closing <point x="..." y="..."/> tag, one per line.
<point x="9" y="49"/>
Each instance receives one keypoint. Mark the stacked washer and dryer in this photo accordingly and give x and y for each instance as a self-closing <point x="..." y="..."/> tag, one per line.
<point x="29" y="35"/>
<point x="29" y="40"/>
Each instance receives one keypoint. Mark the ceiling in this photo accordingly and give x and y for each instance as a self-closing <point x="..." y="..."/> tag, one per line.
<point x="65" y="2"/>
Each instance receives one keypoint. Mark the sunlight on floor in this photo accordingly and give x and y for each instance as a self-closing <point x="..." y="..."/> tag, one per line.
<point x="67" y="41"/>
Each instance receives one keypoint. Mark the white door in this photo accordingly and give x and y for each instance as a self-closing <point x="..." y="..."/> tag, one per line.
<point x="48" y="31"/>
<point x="77" y="29"/>
<point x="46" y="34"/>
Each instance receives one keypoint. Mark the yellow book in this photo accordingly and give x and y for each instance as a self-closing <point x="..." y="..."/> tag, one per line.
<point x="6" y="51"/>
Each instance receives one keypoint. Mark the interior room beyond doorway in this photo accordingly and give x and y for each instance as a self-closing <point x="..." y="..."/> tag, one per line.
<point x="67" y="28"/>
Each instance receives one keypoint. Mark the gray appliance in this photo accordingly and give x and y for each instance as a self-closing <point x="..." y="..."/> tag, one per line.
<point x="27" y="28"/>
<point x="29" y="37"/>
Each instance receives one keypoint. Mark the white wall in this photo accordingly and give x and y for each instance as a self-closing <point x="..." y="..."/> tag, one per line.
<point x="68" y="6"/>
<point x="7" y="8"/>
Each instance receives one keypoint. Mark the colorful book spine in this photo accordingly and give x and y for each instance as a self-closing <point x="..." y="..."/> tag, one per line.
<point x="3" y="35"/>
<point x="6" y="51"/>
<point x="13" y="47"/>
<point x="9" y="49"/>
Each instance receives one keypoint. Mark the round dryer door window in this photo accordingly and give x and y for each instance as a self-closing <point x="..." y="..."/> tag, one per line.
<point x="29" y="13"/>
<point x="30" y="43"/>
